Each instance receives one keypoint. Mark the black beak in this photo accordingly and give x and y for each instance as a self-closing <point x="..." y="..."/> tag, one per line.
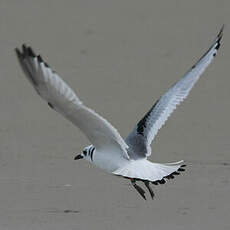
<point x="78" y="157"/>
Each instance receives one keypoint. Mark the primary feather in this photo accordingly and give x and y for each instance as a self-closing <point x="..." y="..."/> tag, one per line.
<point x="140" y="139"/>
<point x="62" y="98"/>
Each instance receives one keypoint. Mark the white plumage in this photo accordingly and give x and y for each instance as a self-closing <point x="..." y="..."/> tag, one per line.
<point x="127" y="158"/>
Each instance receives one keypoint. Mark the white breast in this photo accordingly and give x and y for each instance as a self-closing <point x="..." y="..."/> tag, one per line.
<point x="109" y="160"/>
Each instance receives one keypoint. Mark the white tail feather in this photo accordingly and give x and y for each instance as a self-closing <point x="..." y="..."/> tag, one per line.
<point x="146" y="170"/>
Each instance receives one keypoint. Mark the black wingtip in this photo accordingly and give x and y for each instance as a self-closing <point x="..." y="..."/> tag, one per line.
<point x="220" y="34"/>
<point x="24" y="46"/>
<point x="27" y="51"/>
<point x="31" y="52"/>
<point x="24" y="49"/>
<point x="162" y="181"/>
<point x="18" y="52"/>
<point x="170" y="176"/>
<point x="155" y="182"/>
<point x="181" y="170"/>
<point x="39" y="58"/>
<point x="219" y="37"/>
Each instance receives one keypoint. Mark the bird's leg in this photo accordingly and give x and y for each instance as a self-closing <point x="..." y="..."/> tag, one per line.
<point x="149" y="188"/>
<point x="138" y="188"/>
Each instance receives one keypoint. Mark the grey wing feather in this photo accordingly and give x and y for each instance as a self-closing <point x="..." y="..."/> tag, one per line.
<point x="60" y="97"/>
<point x="140" y="139"/>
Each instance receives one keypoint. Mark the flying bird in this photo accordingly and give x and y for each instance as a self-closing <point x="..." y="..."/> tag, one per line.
<point x="108" y="150"/>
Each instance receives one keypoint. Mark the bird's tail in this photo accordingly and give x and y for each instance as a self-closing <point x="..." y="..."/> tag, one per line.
<point x="148" y="171"/>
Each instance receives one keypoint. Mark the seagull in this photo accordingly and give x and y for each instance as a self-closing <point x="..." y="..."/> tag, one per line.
<point x="108" y="150"/>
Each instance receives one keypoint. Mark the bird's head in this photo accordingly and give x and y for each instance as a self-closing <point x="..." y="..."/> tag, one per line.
<point x="87" y="153"/>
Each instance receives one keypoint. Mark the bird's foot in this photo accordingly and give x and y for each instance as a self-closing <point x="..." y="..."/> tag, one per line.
<point x="138" y="188"/>
<point x="149" y="188"/>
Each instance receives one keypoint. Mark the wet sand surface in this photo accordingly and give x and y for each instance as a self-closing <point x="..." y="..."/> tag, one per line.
<point x="119" y="56"/>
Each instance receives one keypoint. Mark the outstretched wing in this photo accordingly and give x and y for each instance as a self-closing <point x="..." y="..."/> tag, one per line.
<point x="139" y="140"/>
<point x="62" y="98"/>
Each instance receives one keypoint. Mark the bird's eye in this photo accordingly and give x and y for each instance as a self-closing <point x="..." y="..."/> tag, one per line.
<point x="85" y="152"/>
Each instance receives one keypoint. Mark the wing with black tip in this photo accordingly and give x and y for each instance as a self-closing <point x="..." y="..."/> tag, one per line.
<point x="140" y="139"/>
<point x="62" y="98"/>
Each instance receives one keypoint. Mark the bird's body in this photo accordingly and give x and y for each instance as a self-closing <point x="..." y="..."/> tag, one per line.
<point x="108" y="160"/>
<point x="109" y="151"/>
<point x="141" y="169"/>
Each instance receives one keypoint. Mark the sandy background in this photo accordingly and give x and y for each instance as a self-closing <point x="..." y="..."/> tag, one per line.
<point x="119" y="56"/>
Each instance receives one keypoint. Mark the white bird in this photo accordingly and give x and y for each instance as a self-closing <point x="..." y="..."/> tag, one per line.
<point x="126" y="158"/>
